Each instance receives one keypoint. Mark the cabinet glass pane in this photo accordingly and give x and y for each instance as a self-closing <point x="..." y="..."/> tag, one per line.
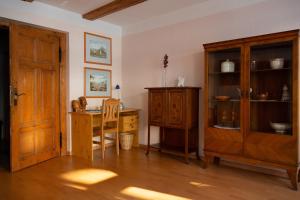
<point x="224" y="88"/>
<point x="271" y="86"/>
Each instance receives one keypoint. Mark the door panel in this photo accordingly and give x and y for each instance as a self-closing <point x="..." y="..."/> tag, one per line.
<point x="156" y="107"/>
<point x="175" y="109"/>
<point x="27" y="142"/>
<point x="27" y="85"/>
<point x="35" y="113"/>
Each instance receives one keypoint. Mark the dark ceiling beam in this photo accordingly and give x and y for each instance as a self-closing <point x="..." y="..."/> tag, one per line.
<point x="110" y="8"/>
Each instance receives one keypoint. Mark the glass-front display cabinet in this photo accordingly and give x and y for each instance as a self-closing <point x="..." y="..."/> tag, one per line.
<point x="251" y="101"/>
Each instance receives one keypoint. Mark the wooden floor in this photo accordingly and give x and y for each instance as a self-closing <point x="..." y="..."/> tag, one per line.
<point x="135" y="176"/>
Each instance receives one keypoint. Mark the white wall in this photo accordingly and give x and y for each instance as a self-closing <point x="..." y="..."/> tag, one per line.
<point x="55" y="18"/>
<point x="143" y="52"/>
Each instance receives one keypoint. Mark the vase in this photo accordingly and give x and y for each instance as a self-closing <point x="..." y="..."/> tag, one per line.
<point x="164" y="77"/>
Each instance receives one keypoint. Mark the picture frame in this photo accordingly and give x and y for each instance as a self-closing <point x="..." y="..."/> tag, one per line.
<point x="97" y="49"/>
<point x="97" y="83"/>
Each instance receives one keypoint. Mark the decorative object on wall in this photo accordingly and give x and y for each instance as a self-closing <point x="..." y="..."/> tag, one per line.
<point x="83" y="103"/>
<point x="97" y="83"/>
<point x="97" y="49"/>
<point x="164" y="73"/>
<point x="76" y="106"/>
<point x="180" y="81"/>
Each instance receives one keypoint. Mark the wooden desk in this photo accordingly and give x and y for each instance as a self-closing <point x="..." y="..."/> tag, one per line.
<point x="83" y="124"/>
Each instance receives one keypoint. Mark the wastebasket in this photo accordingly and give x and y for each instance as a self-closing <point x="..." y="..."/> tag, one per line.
<point x="126" y="140"/>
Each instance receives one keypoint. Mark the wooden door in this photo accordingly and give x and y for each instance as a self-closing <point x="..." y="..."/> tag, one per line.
<point x="156" y="107"/>
<point x="262" y="140"/>
<point x="224" y="117"/>
<point x="176" y="108"/>
<point x="35" y="90"/>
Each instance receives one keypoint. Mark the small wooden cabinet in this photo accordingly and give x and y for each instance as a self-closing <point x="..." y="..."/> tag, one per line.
<point x="252" y="112"/>
<point x="175" y="111"/>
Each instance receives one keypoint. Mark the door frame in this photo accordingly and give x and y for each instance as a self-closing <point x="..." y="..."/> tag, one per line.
<point x="63" y="76"/>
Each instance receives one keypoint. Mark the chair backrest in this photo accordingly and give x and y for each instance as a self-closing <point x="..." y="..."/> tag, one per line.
<point x="110" y="110"/>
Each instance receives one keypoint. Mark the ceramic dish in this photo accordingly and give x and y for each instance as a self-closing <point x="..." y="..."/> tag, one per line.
<point x="227" y="66"/>
<point x="222" y="98"/>
<point x="280" y="127"/>
<point x="277" y="63"/>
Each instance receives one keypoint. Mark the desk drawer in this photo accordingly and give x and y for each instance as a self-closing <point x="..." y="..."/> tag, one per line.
<point x="97" y="119"/>
<point x="128" y="123"/>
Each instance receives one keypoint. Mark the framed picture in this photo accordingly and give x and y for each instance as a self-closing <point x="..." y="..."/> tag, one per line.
<point x="97" y="49"/>
<point x="97" y="83"/>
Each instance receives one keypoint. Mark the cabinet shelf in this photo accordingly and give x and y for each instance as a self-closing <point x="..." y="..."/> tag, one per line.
<point x="268" y="101"/>
<point x="226" y="127"/>
<point x="226" y="101"/>
<point x="269" y="69"/>
<point x="224" y="73"/>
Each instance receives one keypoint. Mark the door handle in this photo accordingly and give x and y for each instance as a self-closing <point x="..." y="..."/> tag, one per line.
<point x="19" y="94"/>
<point x="248" y="93"/>
<point x="14" y="95"/>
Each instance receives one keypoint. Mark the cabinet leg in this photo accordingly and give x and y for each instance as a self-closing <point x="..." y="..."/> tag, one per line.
<point x="216" y="160"/>
<point x="207" y="160"/>
<point x="148" y="142"/>
<point x="197" y="144"/>
<point x="161" y="138"/>
<point x="294" y="177"/>
<point x="197" y="154"/>
<point x="186" y="146"/>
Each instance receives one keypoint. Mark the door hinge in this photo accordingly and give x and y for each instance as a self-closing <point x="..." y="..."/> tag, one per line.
<point x="59" y="55"/>
<point x="60" y="139"/>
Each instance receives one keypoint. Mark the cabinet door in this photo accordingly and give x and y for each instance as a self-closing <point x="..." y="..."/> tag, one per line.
<point x="223" y="100"/>
<point x="176" y="108"/>
<point x="156" y="107"/>
<point x="271" y="133"/>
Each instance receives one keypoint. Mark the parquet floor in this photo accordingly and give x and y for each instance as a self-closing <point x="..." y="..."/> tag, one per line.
<point x="135" y="176"/>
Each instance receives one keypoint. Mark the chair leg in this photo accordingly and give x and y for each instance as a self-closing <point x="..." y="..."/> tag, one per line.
<point x="117" y="143"/>
<point x="102" y="144"/>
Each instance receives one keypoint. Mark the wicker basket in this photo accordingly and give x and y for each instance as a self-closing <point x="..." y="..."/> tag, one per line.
<point x="126" y="140"/>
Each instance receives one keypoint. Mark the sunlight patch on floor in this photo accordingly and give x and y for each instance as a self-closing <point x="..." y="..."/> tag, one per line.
<point x="88" y="176"/>
<point x="78" y="187"/>
<point x="141" y="193"/>
<point x="198" y="184"/>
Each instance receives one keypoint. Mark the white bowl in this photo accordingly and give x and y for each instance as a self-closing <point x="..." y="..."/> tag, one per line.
<point x="280" y="127"/>
<point x="277" y="63"/>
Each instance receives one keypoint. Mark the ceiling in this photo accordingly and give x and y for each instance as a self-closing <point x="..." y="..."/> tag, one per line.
<point x="132" y="15"/>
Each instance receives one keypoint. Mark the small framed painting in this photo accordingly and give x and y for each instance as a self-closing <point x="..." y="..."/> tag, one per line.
<point x="97" y="49"/>
<point x="97" y="83"/>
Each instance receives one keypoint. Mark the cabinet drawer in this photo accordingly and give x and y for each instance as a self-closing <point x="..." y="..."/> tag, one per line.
<point x="128" y="123"/>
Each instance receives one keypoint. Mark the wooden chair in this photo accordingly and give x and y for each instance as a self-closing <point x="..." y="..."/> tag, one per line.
<point x="109" y="124"/>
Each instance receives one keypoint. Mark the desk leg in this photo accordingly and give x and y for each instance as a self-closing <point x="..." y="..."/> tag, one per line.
<point x="148" y="145"/>
<point x="186" y="146"/>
